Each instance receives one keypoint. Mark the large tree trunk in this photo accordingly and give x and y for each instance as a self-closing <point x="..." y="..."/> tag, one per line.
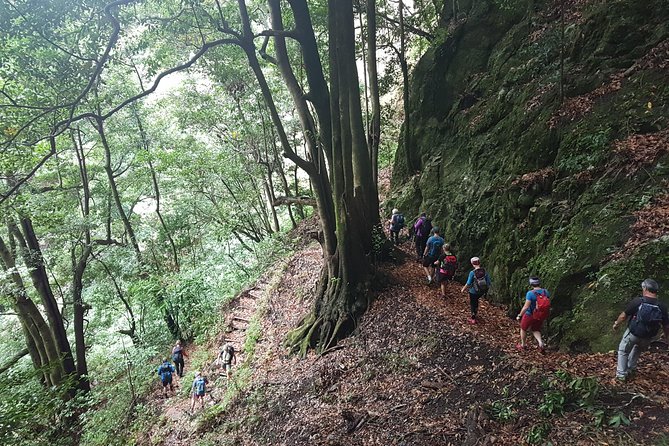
<point x="32" y="256"/>
<point x="353" y="211"/>
<point x="39" y="340"/>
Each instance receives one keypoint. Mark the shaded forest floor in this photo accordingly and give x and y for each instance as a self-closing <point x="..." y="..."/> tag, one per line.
<point x="413" y="373"/>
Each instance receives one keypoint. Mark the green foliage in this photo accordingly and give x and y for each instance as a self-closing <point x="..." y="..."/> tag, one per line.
<point x="538" y="433"/>
<point x="502" y="411"/>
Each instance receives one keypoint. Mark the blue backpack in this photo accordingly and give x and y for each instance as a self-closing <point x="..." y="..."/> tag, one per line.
<point x="435" y="247"/>
<point x="646" y="322"/>
<point x="200" y="385"/>
<point x="165" y="371"/>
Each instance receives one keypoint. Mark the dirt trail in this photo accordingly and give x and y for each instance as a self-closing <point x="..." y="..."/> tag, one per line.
<point x="178" y="425"/>
<point x="497" y="329"/>
<point x="414" y="373"/>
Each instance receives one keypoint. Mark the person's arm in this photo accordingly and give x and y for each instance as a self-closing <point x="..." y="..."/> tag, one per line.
<point x="620" y="320"/>
<point x="524" y="309"/>
<point x="468" y="283"/>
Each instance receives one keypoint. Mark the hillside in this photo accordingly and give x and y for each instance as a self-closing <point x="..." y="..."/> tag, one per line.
<point x="540" y="143"/>
<point x="413" y="373"/>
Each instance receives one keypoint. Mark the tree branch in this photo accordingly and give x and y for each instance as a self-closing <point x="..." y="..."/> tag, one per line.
<point x="304" y="201"/>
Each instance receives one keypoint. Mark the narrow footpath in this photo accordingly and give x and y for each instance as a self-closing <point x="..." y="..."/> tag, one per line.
<point x="416" y="373"/>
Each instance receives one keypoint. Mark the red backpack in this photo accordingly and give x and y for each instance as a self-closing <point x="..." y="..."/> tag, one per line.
<point x="448" y="266"/>
<point x="543" y="305"/>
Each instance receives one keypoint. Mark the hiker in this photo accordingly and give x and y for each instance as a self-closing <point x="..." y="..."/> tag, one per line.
<point x="227" y="358"/>
<point x="198" y="390"/>
<point x="165" y="371"/>
<point x="178" y="355"/>
<point x="533" y="314"/>
<point x="431" y="253"/>
<point x="478" y="282"/>
<point x="396" y="225"/>
<point x="421" y="230"/>
<point x="446" y="264"/>
<point x="645" y="315"/>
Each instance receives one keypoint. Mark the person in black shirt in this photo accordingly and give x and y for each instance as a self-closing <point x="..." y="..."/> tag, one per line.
<point x="645" y="316"/>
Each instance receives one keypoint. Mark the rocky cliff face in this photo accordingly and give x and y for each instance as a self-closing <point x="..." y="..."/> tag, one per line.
<point x="542" y="145"/>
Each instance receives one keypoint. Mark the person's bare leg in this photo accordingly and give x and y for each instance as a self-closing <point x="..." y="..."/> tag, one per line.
<point x="523" y="337"/>
<point x="537" y="336"/>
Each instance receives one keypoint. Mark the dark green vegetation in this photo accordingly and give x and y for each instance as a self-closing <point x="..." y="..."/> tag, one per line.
<point x="540" y="143"/>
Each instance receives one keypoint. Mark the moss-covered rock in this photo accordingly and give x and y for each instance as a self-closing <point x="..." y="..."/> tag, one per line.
<point x="533" y="184"/>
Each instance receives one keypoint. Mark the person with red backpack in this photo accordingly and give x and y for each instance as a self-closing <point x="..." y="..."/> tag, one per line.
<point x="478" y="283"/>
<point x="447" y="264"/>
<point x="533" y="314"/>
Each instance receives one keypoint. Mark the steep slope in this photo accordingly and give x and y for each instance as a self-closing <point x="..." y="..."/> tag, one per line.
<point x="574" y="190"/>
<point x="415" y="373"/>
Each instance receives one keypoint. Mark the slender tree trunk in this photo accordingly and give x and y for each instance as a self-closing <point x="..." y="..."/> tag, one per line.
<point x="156" y="192"/>
<point x="374" y="136"/>
<point x="78" y="268"/>
<point x="406" y="131"/>
<point x="114" y="189"/>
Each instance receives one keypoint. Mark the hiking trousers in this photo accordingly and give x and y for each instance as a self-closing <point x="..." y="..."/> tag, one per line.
<point x="629" y="350"/>
<point x="474" y="303"/>
<point x="395" y="236"/>
<point x="420" y="241"/>
<point x="179" y="366"/>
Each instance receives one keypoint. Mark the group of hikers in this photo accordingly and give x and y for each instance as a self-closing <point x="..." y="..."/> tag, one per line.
<point x="645" y="315"/>
<point x="225" y="359"/>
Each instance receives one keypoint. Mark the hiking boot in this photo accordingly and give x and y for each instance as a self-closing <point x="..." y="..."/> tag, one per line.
<point x="520" y="347"/>
<point x="429" y="280"/>
<point x="621" y="378"/>
<point x="542" y="349"/>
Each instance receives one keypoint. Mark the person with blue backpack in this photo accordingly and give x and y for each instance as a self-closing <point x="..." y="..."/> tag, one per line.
<point x="165" y="371"/>
<point x="533" y="314"/>
<point x="478" y="283"/>
<point x="421" y="230"/>
<point x="198" y="390"/>
<point x="433" y="248"/>
<point x="396" y="225"/>
<point x="645" y="316"/>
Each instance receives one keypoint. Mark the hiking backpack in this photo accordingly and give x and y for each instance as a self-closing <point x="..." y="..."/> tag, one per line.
<point x="542" y="307"/>
<point x="200" y="385"/>
<point x="436" y="246"/>
<point x="398" y="222"/>
<point x="177" y="355"/>
<point x="646" y="322"/>
<point x="165" y="371"/>
<point x="480" y="283"/>
<point x="448" y="266"/>
<point x="228" y="352"/>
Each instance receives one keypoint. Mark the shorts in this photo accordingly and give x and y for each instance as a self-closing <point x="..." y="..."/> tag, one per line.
<point x="167" y="381"/>
<point x="429" y="261"/>
<point x="199" y="394"/>
<point x="527" y="322"/>
<point x="441" y="278"/>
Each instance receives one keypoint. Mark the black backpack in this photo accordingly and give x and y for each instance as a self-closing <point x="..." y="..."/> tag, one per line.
<point x="646" y="323"/>
<point x="480" y="283"/>
<point x="399" y="222"/>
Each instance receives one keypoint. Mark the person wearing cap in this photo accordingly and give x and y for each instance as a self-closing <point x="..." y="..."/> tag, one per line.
<point x="198" y="390"/>
<point x="396" y="225"/>
<point x="644" y="315"/>
<point x="478" y="283"/>
<point x="529" y="315"/>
